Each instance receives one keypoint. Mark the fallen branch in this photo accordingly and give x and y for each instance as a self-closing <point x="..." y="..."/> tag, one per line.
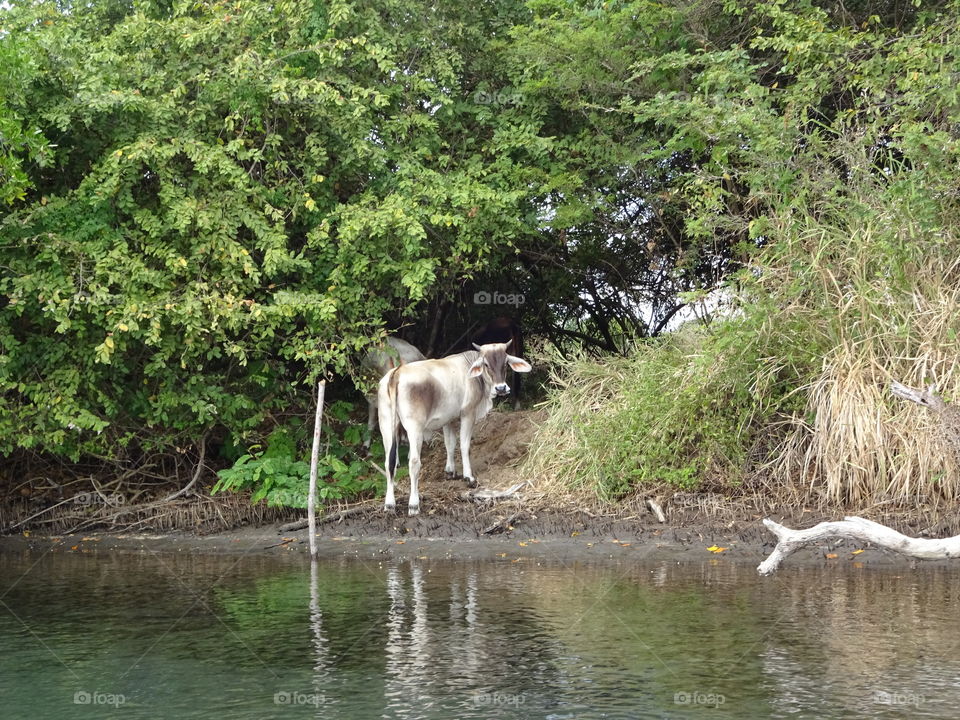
<point x="10" y="528"/>
<point x="656" y="509"/>
<point x="928" y="398"/>
<point x="487" y="494"/>
<point x="860" y="529"/>
<point x="332" y="517"/>
<point x="283" y="543"/>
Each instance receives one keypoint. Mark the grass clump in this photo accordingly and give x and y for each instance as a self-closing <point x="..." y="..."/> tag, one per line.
<point x="788" y="396"/>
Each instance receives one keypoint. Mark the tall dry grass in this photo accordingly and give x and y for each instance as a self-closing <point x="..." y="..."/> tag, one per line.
<point x="790" y="400"/>
<point x="888" y="310"/>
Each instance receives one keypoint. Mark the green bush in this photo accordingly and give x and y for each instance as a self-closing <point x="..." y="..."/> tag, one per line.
<point x="211" y="204"/>
<point x="278" y="475"/>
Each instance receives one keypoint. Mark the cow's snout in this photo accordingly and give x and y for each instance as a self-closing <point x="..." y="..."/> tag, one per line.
<point x="501" y="389"/>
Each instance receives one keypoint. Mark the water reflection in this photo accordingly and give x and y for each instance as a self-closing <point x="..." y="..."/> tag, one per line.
<point x="321" y="665"/>
<point x="407" y="679"/>
<point x="208" y="637"/>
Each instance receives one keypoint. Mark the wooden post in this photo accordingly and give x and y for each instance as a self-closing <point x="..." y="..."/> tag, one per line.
<point x="314" y="458"/>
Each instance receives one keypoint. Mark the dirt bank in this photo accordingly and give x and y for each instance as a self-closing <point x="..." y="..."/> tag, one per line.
<point x="526" y="527"/>
<point x="540" y="538"/>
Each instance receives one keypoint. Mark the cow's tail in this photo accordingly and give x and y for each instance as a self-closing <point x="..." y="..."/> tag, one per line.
<point x="392" y="441"/>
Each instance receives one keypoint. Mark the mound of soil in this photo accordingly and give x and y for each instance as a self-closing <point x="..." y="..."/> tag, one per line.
<point x="500" y="442"/>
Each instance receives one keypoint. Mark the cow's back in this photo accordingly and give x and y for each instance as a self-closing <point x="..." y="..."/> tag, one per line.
<point x="436" y="392"/>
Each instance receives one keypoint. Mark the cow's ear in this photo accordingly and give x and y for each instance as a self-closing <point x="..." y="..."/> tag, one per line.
<point x="518" y="364"/>
<point x="477" y="368"/>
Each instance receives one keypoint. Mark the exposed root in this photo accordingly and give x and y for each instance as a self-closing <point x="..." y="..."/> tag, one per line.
<point x="332" y="517"/>
<point x="199" y="513"/>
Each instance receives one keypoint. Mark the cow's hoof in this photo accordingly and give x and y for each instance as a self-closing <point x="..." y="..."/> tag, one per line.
<point x="390" y="507"/>
<point x="413" y="511"/>
<point x="450" y="474"/>
<point x="471" y="482"/>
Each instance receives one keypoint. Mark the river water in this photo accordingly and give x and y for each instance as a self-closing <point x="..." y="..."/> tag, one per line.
<point x="172" y="636"/>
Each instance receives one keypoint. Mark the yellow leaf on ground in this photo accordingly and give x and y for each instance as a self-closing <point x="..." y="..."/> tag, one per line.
<point x="856" y="552"/>
<point x="831" y="556"/>
<point x="716" y="549"/>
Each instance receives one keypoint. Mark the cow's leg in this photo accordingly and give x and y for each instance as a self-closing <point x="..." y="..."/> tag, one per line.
<point x="466" y="434"/>
<point x="450" y="442"/>
<point x="389" y="501"/>
<point x="415" y="436"/>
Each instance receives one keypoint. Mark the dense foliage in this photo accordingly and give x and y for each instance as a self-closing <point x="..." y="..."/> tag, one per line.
<point x="208" y="204"/>
<point x="825" y="137"/>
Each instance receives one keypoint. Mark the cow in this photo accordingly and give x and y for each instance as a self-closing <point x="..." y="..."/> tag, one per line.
<point x="434" y="394"/>
<point x="377" y="363"/>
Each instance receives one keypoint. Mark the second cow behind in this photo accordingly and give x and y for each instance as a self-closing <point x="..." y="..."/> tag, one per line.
<point x="434" y="394"/>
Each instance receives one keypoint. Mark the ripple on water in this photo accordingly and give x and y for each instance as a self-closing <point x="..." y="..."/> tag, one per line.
<point x="198" y="637"/>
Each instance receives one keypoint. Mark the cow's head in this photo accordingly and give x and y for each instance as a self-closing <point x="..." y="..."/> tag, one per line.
<point x="493" y="362"/>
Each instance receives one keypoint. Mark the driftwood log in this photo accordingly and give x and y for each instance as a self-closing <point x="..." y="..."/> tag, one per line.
<point x="861" y="530"/>
<point x="928" y="398"/>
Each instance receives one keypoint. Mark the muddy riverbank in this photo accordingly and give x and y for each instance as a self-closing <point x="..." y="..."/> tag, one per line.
<point x="532" y="537"/>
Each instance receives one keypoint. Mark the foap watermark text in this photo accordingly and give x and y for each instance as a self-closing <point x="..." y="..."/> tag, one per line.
<point x="882" y="697"/>
<point x="92" y="498"/>
<point x="83" y="697"/>
<point x="486" y="297"/>
<point x="709" y="699"/>
<point x="498" y="699"/>
<point x="292" y="697"/>
<point x="500" y="97"/>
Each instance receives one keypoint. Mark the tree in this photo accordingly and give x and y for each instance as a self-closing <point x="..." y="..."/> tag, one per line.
<point x="234" y="197"/>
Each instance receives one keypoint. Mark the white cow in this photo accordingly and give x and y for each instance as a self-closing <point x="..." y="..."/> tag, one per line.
<point x="377" y="363"/>
<point x="434" y="394"/>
